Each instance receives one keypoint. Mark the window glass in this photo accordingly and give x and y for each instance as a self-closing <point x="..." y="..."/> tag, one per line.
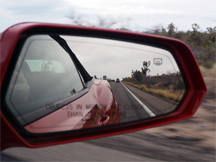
<point x="44" y="74"/>
<point x="45" y="65"/>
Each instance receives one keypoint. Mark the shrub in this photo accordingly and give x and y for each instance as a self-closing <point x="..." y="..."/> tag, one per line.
<point x="137" y="75"/>
<point x="208" y="64"/>
<point x="199" y="62"/>
<point x="179" y="85"/>
<point x="142" y="88"/>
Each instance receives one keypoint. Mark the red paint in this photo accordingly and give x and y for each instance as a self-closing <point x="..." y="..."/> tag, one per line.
<point x="194" y="95"/>
<point x="96" y="103"/>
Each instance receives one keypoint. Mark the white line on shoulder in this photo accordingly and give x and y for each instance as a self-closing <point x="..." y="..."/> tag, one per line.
<point x="142" y="104"/>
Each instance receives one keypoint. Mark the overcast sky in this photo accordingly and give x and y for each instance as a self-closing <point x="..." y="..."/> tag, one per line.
<point x="139" y="15"/>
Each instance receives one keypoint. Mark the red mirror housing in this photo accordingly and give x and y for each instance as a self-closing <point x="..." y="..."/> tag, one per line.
<point x="11" y="40"/>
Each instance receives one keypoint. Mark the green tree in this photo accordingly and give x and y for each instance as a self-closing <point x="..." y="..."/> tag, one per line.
<point x="137" y="75"/>
<point x="145" y="67"/>
<point x="171" y="30"/>
<point x="195" y="35"/>
<point x="212" y="34"/>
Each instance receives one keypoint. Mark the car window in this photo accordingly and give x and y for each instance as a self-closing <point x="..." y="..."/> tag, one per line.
<point x="44" y="74"/>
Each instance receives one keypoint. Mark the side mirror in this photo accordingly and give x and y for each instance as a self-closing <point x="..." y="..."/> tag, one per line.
<point x="52" y="94"/>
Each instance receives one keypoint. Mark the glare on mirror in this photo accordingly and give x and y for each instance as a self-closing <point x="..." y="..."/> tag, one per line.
<point x="49" y="92"/>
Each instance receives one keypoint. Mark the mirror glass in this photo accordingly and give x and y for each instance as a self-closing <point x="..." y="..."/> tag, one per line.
<point x="63" y="83"/>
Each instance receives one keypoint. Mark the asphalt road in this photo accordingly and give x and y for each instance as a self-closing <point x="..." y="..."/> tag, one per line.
<point x="137" y="105"/>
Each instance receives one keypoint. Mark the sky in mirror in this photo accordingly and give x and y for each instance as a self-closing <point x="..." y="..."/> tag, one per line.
<point x="117" y="59"/>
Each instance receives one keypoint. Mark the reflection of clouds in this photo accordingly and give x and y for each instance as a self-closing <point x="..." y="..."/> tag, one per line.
<point x="117" y="59"/>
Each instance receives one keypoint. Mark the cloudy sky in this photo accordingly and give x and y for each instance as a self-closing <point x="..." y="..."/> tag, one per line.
<point x="117" y="59"/>
<point x="138" y="15"/>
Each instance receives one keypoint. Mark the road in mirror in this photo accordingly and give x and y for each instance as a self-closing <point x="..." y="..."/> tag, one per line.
<point x="130" y="82"/>
<point x="150" y="80"/>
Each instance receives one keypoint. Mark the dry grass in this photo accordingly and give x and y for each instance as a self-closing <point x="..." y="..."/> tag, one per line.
<point x="165" y="93"/>
<point x="208" y="72"/>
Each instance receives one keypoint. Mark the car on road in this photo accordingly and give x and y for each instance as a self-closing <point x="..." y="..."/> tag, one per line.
<point x="117" y="80"/>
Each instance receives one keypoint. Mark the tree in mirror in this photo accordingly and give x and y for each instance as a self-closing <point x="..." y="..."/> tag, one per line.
<point x="51" y="91"/>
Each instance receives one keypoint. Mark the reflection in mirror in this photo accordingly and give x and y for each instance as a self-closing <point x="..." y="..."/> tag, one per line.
<point x="51" y="91"/>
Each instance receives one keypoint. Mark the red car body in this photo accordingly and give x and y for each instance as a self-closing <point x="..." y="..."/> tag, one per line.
<point x="96" y="108"/>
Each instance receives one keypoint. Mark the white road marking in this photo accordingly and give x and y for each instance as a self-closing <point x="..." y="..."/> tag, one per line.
<point x="142" y="104"/>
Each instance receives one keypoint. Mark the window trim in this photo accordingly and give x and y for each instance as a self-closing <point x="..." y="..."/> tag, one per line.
<point x="34" y="115"/>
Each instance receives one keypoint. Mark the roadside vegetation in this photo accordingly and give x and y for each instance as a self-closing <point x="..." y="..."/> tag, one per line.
<point x="201" y="43"/>
<point x="169" y="86"/>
